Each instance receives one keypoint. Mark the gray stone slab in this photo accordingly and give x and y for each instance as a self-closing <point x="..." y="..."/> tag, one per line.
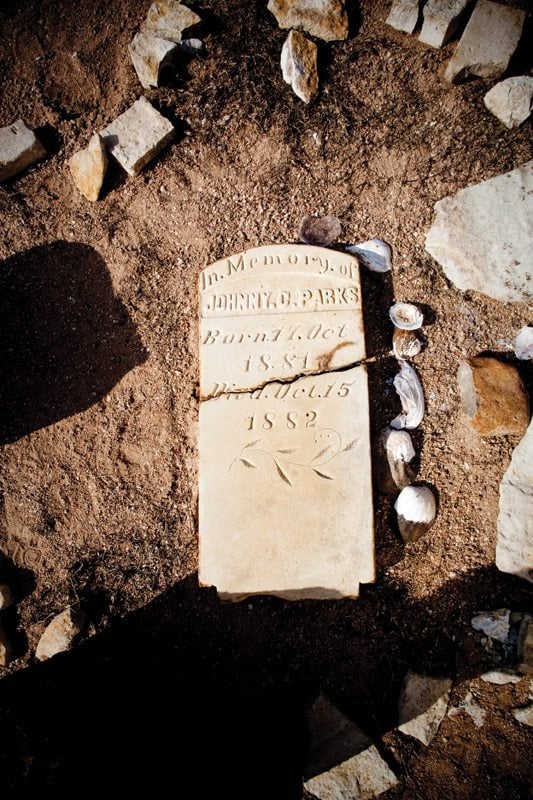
<point x="482" y="236"/>
<point x="285" y="504"/>
<point x="404" y="15"/>
<point x="422" y="706"/>
<point x="136" y="136"/>
<point x="511" y="100"/>
<point x="514" y="547"/>
<point x="441" y="20"/>
<point x="488" y="42"/>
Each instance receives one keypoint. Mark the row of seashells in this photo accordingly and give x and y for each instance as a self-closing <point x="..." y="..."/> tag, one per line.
<point x="415" y="505"/>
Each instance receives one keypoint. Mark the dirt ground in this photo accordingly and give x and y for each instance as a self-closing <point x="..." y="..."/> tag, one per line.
<point x="98" y="467"/>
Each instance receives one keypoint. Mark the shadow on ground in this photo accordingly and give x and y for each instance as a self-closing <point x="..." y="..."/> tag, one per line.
<point x="191" y="690"/>
<point x="65" y="337"/>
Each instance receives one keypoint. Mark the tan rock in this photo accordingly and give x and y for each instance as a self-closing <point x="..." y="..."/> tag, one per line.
<point x="19" y="148"/>
<point x="488" y="42"/>
<point x="169" y="20"/>
<point x="60" y="634"/>
<point x="284" y="458"/>
<point x="299" y="66"/>
<point x="324" y="19"/>
<point x="493" y="397"/>
<point x="136" y="136"/>
<point x="524" y="715"/>
<point x="88" y="168"/>
<point x="150" y="55"/>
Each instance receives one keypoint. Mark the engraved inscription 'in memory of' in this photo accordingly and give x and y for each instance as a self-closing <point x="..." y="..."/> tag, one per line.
<point x="285" y="496"/>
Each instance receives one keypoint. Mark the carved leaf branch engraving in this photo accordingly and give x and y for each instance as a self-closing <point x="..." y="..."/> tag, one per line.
<point x="327" y="441"/>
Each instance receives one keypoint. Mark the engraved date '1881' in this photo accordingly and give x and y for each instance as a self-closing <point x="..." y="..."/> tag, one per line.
<point x="327" y="447"/>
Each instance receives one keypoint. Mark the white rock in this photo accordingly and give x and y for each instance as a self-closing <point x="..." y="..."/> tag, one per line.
<point x="60" y="634"/>
<point x="441" y="20"/>
<point x="482" y="236"/>
<point x="476" y="713"/>
<point x="342" y="763"/>
<point x="500" y="677"/>
<point x="88" y="168"/>
<point x="524" y="715"/>
<point x="422" y="706"/>
<point x="493" y="623"/>
<point x="6" y="596"/>
<point x="299" y="65"/>
<point x="488" y="42"/>
<point x="523" y="344"/>
<point x="169" y="19"/>
<point x="404" y="15"/>
<point x="514" y="546"/>
<point x="150" y="55"/>
<point x="19" y="148"/>
<point x="137" y="136"/>
<point x="511" y="100"/>
<point x="375" y="254"/>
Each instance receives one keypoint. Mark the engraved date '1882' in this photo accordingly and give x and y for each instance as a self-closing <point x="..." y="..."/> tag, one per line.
<point x="327" y="447"/>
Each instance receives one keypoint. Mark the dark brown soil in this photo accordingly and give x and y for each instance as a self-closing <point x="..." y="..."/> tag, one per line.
<point x="99" y="395"/>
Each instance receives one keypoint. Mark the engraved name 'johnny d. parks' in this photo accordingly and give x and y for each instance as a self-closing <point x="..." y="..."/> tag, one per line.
<point x="285" y="500"/>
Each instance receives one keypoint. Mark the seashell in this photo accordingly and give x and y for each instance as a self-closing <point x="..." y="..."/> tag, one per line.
<point x="416" y="509"/>
<point x="409" y="389"/>
<point x="394" y="470"/>
<point x="375" y="254"/>
<point x="319" y="230"/>
<point x="405" y="344"/>
<point x="406" y="316"/>
<point x="523" y="344"/>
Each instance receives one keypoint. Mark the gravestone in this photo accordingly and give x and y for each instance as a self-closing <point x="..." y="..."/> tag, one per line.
<point x="285" y="493"/>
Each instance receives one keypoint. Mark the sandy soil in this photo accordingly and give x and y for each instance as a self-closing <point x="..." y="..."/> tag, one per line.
<point x="98" y="317"/>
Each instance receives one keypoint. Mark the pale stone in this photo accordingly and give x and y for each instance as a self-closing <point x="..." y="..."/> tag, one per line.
<point x="476" y="713"/>
<point x="88" y="168"/>
<point x="514" y="547"/>
<point x="342" y="762"/>
<point x="495" y="624"/>
<point x="404" y="15"/>
<point x="5" y="649"/>
<point x="60" y="634"/>
<point x="19" y="148"/>
<point x="150" y="55"/>
<point x="298" y="65"/>
<point x="524" y="715"/>
<point x="136" y="136"/>
<point x="6" y="596"/>
<point x="441" y="20"/>
<point x="169" y="20"/>
<point x="422" y="706"/>
<point x="511" y="100"/>
<point x="488" y="42"/>
<point x="324" y="19"/>
<point x="500" y="677"/>
<point x="285" y="476"/>
<point x="482" y="236"/>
